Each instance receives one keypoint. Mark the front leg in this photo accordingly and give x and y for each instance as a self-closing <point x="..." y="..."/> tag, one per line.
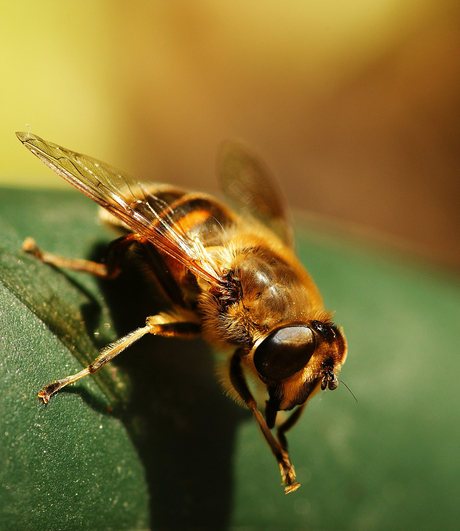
<point x="239" y="383"/>
<point x="288" y="424"/>
<point x="181" y="323"/>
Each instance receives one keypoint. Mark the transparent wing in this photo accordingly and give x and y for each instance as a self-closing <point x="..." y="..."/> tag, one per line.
<point x="252" y="191"/>
<point x="126" y="199"/>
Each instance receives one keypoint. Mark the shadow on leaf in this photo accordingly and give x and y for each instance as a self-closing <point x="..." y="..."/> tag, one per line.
<point x="180" y="421"/>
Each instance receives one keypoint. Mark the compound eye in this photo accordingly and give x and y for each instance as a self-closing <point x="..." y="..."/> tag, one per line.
<point x="284" y="352"/>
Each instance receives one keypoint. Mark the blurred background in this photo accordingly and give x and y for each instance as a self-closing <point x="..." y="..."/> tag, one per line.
<point x="353" y="105"/>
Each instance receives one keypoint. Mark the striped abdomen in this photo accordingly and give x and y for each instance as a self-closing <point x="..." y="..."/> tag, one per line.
<point x="197" y="215"/>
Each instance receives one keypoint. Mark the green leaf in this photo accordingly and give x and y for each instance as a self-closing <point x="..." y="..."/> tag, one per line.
<point x="152" y="442"/>
<point x="71" y="463"/>
<point x="147" y="439"/>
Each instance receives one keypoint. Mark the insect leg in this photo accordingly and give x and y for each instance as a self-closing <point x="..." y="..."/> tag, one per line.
<point x="110" y="269"/>
<point x="239" y="383"/>
<point x="288" y="424"/>
<point x="175" y="324"/>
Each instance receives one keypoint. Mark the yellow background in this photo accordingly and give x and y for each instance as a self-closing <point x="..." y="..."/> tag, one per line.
<point x="354" y="105"/>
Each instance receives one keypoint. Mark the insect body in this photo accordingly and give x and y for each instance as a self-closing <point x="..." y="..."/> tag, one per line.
<point x="230" y="277"/>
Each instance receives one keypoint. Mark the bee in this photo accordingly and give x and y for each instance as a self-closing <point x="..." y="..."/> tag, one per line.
<point x="229" y="275"/>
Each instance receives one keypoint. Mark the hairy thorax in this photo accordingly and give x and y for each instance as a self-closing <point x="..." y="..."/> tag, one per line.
<point x="263" y="289"/>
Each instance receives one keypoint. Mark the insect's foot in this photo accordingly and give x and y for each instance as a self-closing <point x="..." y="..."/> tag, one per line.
<point x="288" y="475"/>
<point x="29" y="245"/>
<point x="44" y="396"/>
<point x="291" y="488"/>
<point x="48" y="391"/>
